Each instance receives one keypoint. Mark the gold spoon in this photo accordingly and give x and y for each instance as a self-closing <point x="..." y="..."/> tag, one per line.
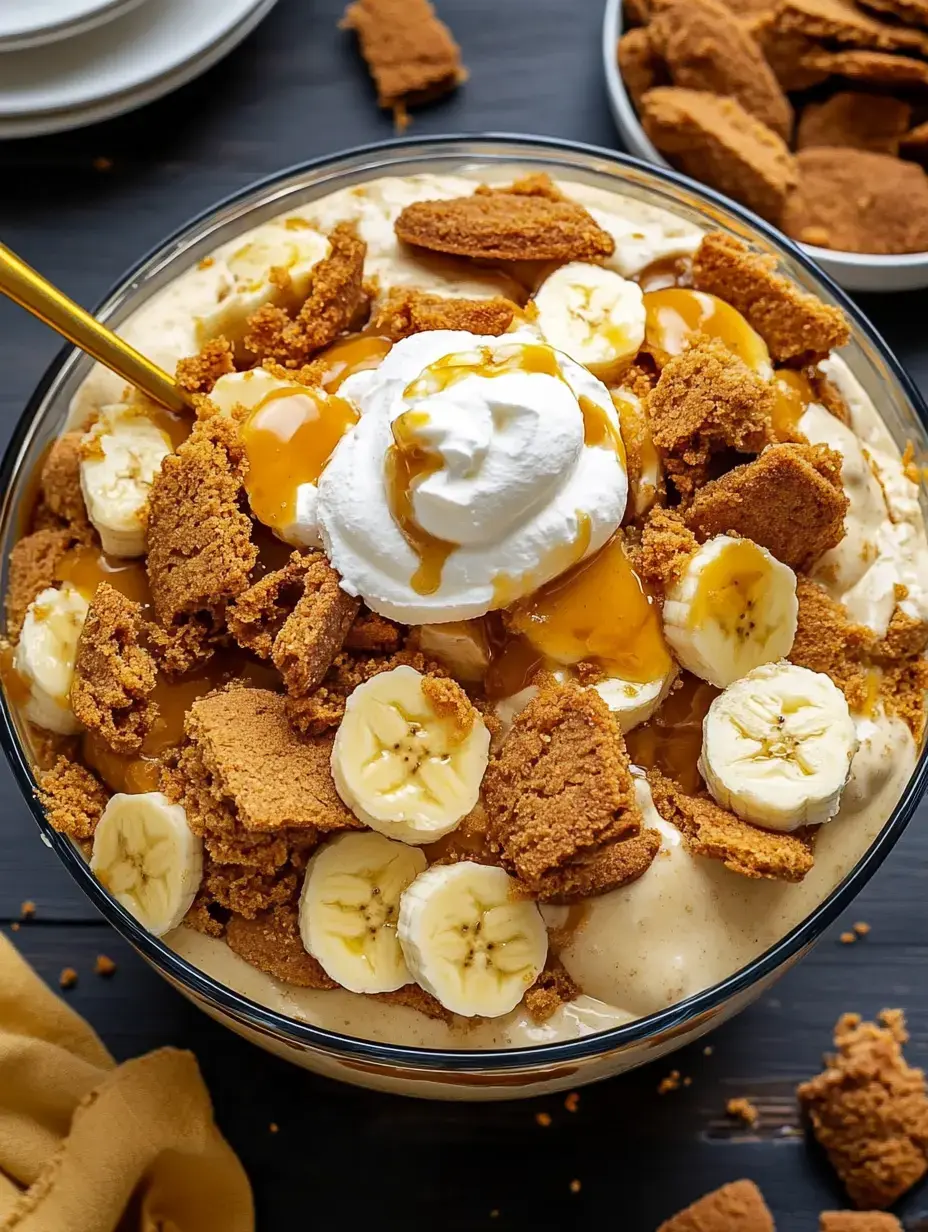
<point x="31" y="291"/>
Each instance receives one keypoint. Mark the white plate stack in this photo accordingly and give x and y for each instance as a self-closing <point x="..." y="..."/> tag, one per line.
<point x="67" y="63"/>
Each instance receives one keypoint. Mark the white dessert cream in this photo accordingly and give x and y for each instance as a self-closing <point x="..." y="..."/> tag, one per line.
<point x="453" y="475"/>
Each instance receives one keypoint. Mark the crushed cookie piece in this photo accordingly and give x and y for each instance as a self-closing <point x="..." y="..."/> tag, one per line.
<point x="915" y="143"/>
<point x="737" y="1207"/>
<point x="854" y="120"/>
<point x="833" y="22"/>
<point x="714" y="139"/>
<point x="73" y="798"/>
<point x="670" y="1083"/>
<point x="15" y="926"/>
<point x="859" y="201"/>
<point x="903" y="689"/>
<point x="543" y="1119"/>
<point x="373" y="634"/>
<point x="869" y="1110"/>
<point x="113" y="674"/>
<point x="861" y="928"/>
<point x="858" y="1221"/>
<point x="271" y="942"/>
<point x="199" y="373"/>
<point x="575" y="1187"/>
<point x="259" y="613"/>
<point x="27" y="909"/>
<point x="707" y="401"/>
<point x="180" y="648"/>
<point x="33" y="563"/>
<point x="708" y="1050"/>
<point x="200" y="552"/>
<point x="829" y="396"/>
<point x="273" y="1128"/>
<point x="274" y="778"/>
<point x="828" y="641"/>
<point x="741" y="1109"/>
<point x="451" y="703"/>
<point x="313" y="634"/>
<point x="504" y="227"/>
<point x="785" y="53"/>
<point x="790" y="500"/>
<point x="415" y="998"/>
<point x="61" y="480"/>
<point x="848" y="938"/>
<point x="572" y="1101"/>
<point x="334" y="296"/>
<point x="104" y="966"/>
<point x="870" y="68"/>
<point x="796" y="326"/>
<point x="640" y="64"/>
<point x="664" y="550"/>
<point x="705" y="50"/>
<point x="325" y="707"/>
<point x="712" y="831"/>
<point x="409" y="52"/>
<point x="535" y="184"/>
<point x="560" y="799"/>
<point x="245" y="892"/>
<point x="551" y="990"/>
<point x="406" y="311"/>
<point x="914" y="12"/>
<point x="905" y="636"/>
<point x="67" y="978"/>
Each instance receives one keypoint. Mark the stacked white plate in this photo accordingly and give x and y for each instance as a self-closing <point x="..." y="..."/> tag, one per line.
<point x="67" y="63"/>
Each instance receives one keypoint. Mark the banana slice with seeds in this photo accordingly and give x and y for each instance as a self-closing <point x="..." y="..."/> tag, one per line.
<point x="149" y="859"/>
<point x="469" y="940"/>
<point x="45" y="655"/>
<point x="409" y="755"/>
<point x="777" y="747"/>
<point x="349" y="910"/>
<point x="734" y="608"/>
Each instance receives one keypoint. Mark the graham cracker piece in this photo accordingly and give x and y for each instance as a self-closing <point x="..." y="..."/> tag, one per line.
<point x="869" y="1110"/>
<point x="406" y="310"/>
<point x="200" y="552"/>
<point x="790" y="500"/>
<point x="274" y="778"/>
<point x="335" y="294"/>
<point x="858" y="1221"/>
<point x="706" y="401"/>
<point x="705" y="50"/>
<point x="410" y="53"/>
<point x="199" y="373"/>
<point x="738" y="1207"/>
<point x="114" y="674"/>
<point x="835" y="22"/>
<point x="504" y="227"/>
<point x="553" y="988"/>
<point x="641" y="66"/>
<point x="797" y="327"/>
<point x="854" y="120"/>
<point x="61" y="480"/>
<point x="712" y="831"/>
<point x="559" y="795"/>
<point x="872" y="68"/>
<point x="34" y="561"/>
<point x="73" y="798"/>
<point x="314" y="632"/>
<point x="715" y="140"/>
<point x="271" y="942"/>
<point x="858" y="201"/>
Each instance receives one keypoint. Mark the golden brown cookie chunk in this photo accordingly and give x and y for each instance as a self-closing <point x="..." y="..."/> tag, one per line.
<point x="373" y="634"/>
<point x="559" y="792"/>
<point x="915" y="143"/>
<point x="245" y="891"/>
<point x="785" y="53"/>
<point x="505" y="227"/>
<point x="903" y="688"/>
<point x="715" y="140"/>
<point x="665" y="547"/>
<point x="790" y="500"/>
<point x="271" y="942"/>
<point x="707" y="400"/>
<point x="905" y="636"/>
<point x="604" y="869"/>
<point x="33" y="563"/>
<point x="72" y="797"/>
<point x="551" y="990"/>
<point x="274" y="778"/>
<point x="199" y="373"/>
<point x="408" y="311"/>
<point x="535" y="184"/>
<point x="857" y="201"/>
<point x="61" y="479"/>
<point x="869" y="1110"/>
<point x="858" y="1221"/>
<point x="797" y="327"/>
<point x="705" y="50"/>
<point x="828" y="641"/>
<point x="409" y="53"/>
<point x="833" y="21"/>
<point x="259" y="612"/>
<point x="180" y="648"/>
<point x="738" y="1207"/>
<point x="912" y="12"/>
<point x="314" y="632"/>
<point x="113" y="674"/>
<point x="636" y="12"/>
<point x="856" y="121"/>
<point x="415" y="998"/>
<point x="641" y="67"/>
<point x="334" y="296"/>
<point x="713" y="832"/>
<point x="199" y="541"/>
<point x="872" y="68"/>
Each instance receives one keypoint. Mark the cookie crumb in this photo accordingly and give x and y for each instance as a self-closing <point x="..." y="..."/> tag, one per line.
<point x="104" y="965"/>
<point x="572" y="1101"/>
<point x="670" y="1083"/>
<point x="848" y="938"/>
<point x="858" y="1221"/>
<point x="574" y="1186"/>
<point x="862" y="928"/>
<point x="68" y="977"/>
<point x="101" y="163"/>
<point x="543" y="1119"/>
<point x="27" y="909"/>
<point x="15" y="926"/>
<point x="741" y="1109"/>
<point x="273" y="1128"/>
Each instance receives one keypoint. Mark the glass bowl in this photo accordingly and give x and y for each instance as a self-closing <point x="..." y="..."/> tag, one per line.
<point x="444" y="1074"/>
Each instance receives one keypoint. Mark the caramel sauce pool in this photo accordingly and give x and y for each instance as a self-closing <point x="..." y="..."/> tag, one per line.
<point x="343" y="359"/>
<point x="675" y="314"/>
<point x="672" y="740"/>
<point x="86" y="567"/>
<point x="793" y="392"/>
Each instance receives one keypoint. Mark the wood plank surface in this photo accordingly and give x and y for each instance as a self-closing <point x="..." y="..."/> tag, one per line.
<point x="296" y="89"/>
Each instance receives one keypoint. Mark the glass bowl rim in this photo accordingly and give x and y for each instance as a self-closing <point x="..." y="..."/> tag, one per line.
<point x="251" y="1014"/>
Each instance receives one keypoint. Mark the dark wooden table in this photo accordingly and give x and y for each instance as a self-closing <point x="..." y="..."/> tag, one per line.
<point x="296" y="89"/>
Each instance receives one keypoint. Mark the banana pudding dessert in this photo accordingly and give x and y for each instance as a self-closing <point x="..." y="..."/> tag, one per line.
<point x="523" y="632"/>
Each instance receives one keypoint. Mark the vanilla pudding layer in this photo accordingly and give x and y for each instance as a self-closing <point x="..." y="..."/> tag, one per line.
<point x="687" y="923"/>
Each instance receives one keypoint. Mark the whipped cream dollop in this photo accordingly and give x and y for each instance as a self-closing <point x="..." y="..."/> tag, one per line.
<point x="480" y="468"/>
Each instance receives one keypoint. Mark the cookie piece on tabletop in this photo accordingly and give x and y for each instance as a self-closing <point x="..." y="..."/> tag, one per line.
<point x="738" y="1207"/>
<point x="858" y="1221"/>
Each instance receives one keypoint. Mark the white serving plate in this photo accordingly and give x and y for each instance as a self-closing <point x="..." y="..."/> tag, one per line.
<point x="33" y="23"/>
<point x="852" y="270"/>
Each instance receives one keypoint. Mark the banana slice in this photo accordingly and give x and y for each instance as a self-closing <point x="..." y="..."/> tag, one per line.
<point x="403" y="766"/>
<point x="469" y="940"/>
<point x="349" y="910"/>
<point x="592" y="314"/>
<point x="461" y="645"/>
<point x="777" y="747"/>
<point x="122" y="453"/>
<point x="253" y="276"/>
<point x="634" y="703"/>
<point x="45" y="654"/>
<point x="733" y="609"/>
<point x="148" y="858"/>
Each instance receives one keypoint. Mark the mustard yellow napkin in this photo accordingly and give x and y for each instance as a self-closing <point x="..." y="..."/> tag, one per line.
<point x="86" y="1146"/>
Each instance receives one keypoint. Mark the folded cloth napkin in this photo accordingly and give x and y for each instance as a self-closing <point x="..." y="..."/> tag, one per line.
<point x="89" y="1146"/>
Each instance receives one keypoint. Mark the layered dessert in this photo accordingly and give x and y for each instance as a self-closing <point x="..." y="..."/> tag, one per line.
<point x="523" y="632"/>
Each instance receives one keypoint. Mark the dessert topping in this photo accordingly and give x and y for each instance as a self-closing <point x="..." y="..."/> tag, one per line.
<point x="676" y="316"/>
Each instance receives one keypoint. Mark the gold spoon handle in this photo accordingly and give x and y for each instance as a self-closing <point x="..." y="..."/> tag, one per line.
<point x="31" y="291"/>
